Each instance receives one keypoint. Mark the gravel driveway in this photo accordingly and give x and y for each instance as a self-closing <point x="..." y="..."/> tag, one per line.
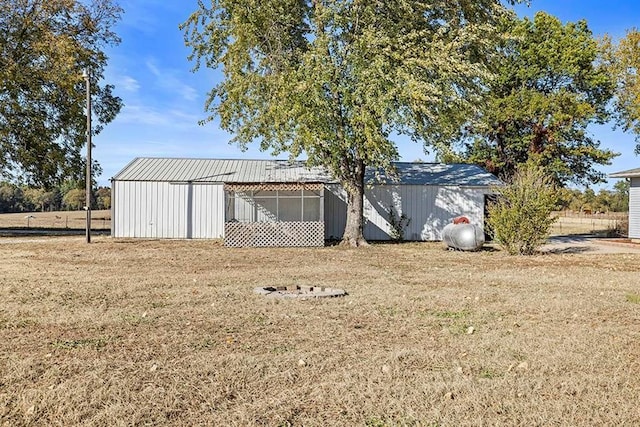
<point x="590" y="244"/>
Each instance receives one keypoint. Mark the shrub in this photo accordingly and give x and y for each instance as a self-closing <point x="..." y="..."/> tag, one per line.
<point x="398" y="224"/>
<point x="521" y="216"/>
<point x="621" y="228"/>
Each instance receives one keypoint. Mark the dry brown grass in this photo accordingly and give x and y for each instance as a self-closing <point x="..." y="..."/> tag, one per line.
<point x="171" y="333"/>
<point x="100" y="220"/>
<point x="602" y="224"/>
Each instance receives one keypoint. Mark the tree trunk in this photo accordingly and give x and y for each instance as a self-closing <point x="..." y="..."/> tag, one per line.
<point x="353" y="232"/>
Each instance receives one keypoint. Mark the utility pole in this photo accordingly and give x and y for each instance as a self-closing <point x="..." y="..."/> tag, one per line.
<point x="85" y="74"/>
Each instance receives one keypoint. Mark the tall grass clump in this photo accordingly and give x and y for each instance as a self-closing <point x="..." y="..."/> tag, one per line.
<point x="521" y="217"/>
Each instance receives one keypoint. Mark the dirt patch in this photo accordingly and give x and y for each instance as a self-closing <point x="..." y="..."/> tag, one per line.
<point x="590" y="244"/>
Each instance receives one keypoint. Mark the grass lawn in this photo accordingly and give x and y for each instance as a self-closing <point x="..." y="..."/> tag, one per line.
<point x="171" y="333"/>
<point x="100" y="220"/>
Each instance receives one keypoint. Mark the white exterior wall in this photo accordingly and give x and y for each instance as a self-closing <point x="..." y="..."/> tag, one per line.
<point x="335" y="211"/>
<point x="430" y="208"/>
<point x="184" y="211"/>
<point x="634" y="209"/>
<point x="167" y="210"/>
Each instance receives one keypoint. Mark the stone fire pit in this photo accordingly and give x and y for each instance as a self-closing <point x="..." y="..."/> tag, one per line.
<point x="302" y="292"/>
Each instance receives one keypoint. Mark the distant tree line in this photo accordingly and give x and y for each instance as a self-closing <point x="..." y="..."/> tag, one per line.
<point x="68" y="196"/>
<point x="605" y="200"/>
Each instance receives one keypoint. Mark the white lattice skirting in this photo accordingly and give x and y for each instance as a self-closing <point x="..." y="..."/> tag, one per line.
<point x="265" y="234"/>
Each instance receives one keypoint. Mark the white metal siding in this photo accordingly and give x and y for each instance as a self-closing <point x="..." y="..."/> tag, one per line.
<point x="335" y="211"/>
<point x="429" y="209"/>
<point x="181" y="210"/>
<point x="166" y="210"/>
<point x="208" y="211"/>
<point x="634" y="209"/>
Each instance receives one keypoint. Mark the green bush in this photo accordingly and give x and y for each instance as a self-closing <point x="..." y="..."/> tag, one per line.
<point x="398" y="223"/>
<point x="521" y="216"/>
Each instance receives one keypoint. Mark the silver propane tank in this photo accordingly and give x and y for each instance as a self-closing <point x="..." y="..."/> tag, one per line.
<point x="463" y="236"/>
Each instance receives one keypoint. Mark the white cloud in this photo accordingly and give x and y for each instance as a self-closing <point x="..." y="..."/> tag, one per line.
<point x="141" y="115"/>
<point x="166" y="79"/>
<point x="128" y="84"/>
<point x="144" y="115"/>
<point x="138" y="17"/>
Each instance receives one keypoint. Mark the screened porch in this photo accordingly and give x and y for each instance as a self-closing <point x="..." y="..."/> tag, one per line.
<point x="288" y="214"/>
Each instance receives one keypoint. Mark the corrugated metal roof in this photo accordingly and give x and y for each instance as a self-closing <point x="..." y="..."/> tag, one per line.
<point x="216" y="170"/>
<point x="440" y="174"/>
<point x="631" y="173"/>
<point x="263" y="171"/>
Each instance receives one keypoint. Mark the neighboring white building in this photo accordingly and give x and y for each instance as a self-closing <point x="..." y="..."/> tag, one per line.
<point x="278" y="203"/>
<point x="634" y="200"/>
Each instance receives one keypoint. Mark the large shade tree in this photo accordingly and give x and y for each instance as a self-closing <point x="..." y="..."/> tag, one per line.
<point x="335" y="80"/>
<point x="44" y="47"/>
<point x="550" y="86"/>
<point x="625" y="61"/>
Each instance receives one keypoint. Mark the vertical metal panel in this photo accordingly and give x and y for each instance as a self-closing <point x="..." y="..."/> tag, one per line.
<point x="163" y="228"/>
<point x="181" y="210"/>
<point x="429" y="209"/>
<point x="167" y="210"/>
<point x="124" y="195"/>
<point x="112" y="209"/>
<point x="136" y="209"/>
<point x="208" y="211"/>
<point x="335" y="211"/>
<point x="147" y="205"/>
<point x="140" y="227"/>
<point x="445" y="204"/>
<point x="126" y="219"/>
<point x="176" y="215"/>
<point x="634" y="209"/>
<point x="128" y="194"/>
<point x="200" y="220"/>
<point x="377" y="200"/>
<point x="118" y="204"/>
<point x="323" y="192"/>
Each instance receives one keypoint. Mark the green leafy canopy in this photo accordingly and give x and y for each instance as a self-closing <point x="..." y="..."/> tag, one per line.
<point x="335" y="79"/>
<point x="522" y="214"/>
<point x="550" y="86"/>
<point x="624" y="62"/>
<point x="44" y="46"/>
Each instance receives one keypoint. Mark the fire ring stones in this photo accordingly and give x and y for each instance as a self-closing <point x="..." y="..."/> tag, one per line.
<point x="301" y="292"/>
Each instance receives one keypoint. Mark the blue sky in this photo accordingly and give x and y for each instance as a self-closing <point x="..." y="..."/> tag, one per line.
<point x="164" y="99"/>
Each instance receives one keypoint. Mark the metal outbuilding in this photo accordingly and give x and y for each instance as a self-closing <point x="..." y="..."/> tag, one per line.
<point x="634" y="200"/>
<point x="280" y="203"/>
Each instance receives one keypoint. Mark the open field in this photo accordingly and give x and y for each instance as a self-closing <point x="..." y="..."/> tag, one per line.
<point x="171" y="333"/>
<point x="603" y="224"/>
<point x="100" y="220"/>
